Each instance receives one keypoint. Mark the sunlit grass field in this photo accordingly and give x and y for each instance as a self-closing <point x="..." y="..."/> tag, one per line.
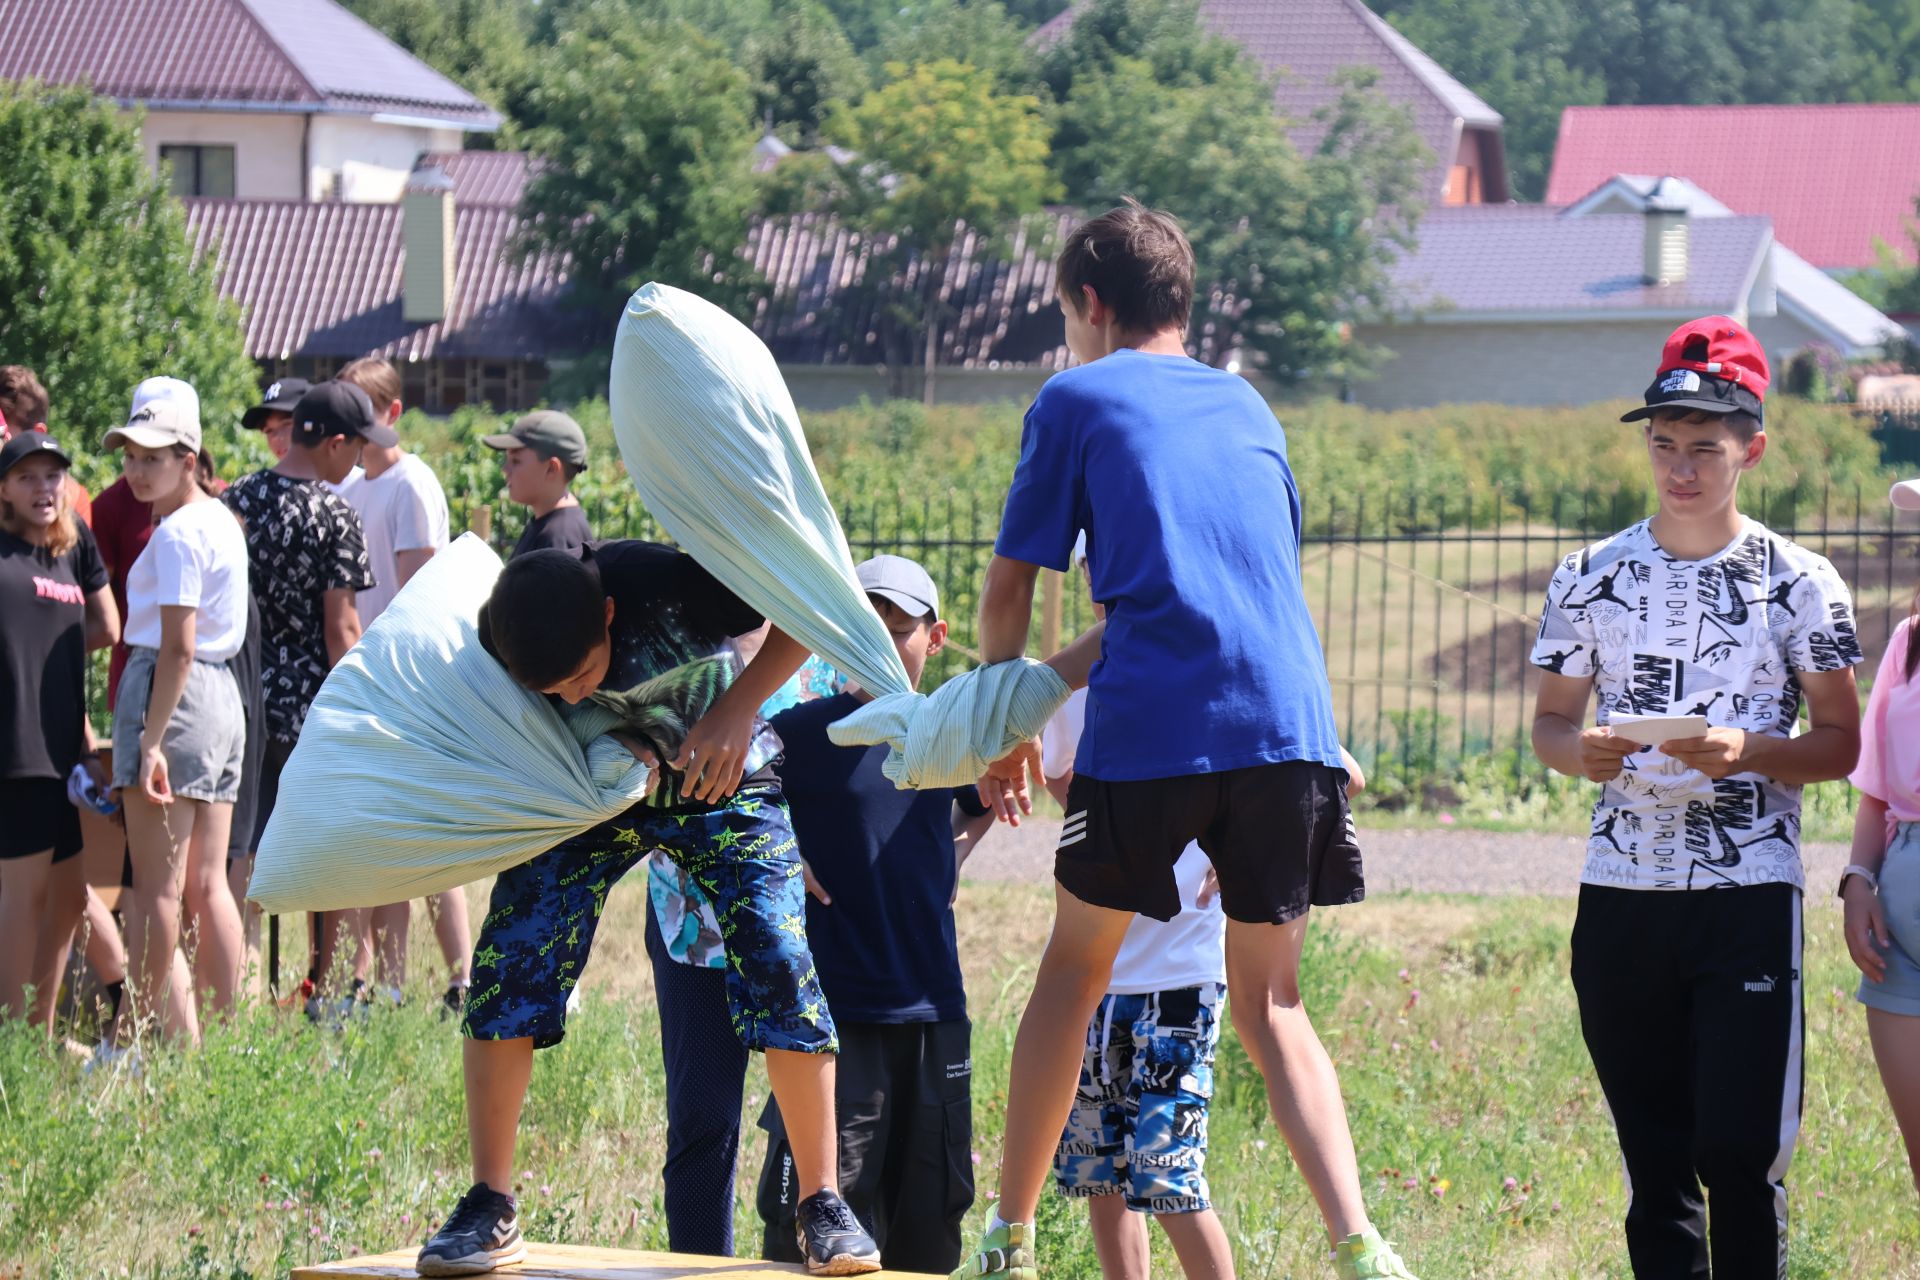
<point x="1485" y="1144"/>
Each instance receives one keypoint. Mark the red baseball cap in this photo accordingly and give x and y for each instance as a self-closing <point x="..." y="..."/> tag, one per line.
<point x="1713" y="365"/>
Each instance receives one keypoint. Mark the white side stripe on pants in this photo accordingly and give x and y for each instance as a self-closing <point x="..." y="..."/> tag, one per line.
<point x="1789" y="1095"/>
<point x="1073" y="830"/>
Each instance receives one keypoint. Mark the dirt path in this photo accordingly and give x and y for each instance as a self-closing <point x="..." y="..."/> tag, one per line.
<point x="1424" y="861"/>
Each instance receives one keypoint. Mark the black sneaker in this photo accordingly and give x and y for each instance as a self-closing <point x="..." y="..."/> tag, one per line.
<point x="482" y="1232"/>
<point x="831" y="1238"/>
<point x="454" y="1002"/>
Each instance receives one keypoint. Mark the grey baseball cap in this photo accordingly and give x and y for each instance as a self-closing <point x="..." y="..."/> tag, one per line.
<point x="547" y="432"/>
<point x="901" y="581"/>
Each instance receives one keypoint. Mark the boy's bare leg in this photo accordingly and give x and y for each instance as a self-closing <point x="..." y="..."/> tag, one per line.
<point x="1303" y="1091"/>
<point x="497" y="1075"/>
<point x="389" y="925"/>
<point x="453" y="931"/>
<point x="1201" y="1243"/>
<point x="1119" y="1238"/>
<point x="803" y="1086"/>
<point x="1051" y="1045"/>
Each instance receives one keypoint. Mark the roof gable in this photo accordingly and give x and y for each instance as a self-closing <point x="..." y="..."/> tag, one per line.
<point x="1832" y="178"/>
<point x="236" y="55"/>
<point x="1521" y="261"/>
<point x="1305" y="43"/>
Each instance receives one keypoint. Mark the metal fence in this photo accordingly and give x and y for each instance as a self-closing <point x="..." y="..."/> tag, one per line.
<point x="1426" y="604"/>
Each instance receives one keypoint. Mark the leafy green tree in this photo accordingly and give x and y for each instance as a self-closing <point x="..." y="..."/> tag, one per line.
<point x="98" y="271"/>
<point x="982" y="32"/>
<point x="1298" y="245"/>
<point x="1886" y="51"/>
<point x="1520" y="56"/>
<point x="646" y="130"/>
<point x="939" y="152"/>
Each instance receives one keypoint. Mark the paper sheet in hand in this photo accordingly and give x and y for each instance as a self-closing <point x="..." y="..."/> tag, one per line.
<point x="1651" y="731"/>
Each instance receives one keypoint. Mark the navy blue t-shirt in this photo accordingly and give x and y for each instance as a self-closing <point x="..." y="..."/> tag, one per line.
<point x="885" y="947"/>
<point x="1178" y="474"/>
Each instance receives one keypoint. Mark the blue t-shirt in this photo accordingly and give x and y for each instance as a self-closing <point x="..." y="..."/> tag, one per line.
<point x="1178" y="474"/>
<point x="885" y="948"/>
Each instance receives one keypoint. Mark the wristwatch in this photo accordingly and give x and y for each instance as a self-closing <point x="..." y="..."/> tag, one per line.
<point x="1855" y="869"/>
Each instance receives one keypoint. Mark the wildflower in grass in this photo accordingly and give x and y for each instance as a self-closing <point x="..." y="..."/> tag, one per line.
<point x="1446" y="819"/>
<point x="374" y="1155"/>
<point x="1510" y="1184"/>
<point x="545" y="1190"/>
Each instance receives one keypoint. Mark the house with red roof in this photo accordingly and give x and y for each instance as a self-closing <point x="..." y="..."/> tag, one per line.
<point x="1835" y="179"/>
<point x="1306" y="45"/>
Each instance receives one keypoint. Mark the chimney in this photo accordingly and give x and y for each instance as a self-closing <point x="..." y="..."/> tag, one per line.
<point x="426" y="240"/>
<point x="1666" y="239"/>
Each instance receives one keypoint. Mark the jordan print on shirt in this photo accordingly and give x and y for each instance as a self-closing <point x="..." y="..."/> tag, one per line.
<point x="1723" y="637"/>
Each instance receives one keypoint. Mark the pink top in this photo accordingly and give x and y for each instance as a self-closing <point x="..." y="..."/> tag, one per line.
<point x="1889" y="766"/>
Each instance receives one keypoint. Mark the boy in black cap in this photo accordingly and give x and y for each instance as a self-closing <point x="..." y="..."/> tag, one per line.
<point x="307" y="557"/>
<point x="543" y="453"/>
<point x="273" y="416"/>
<point x="1687" y="944"/>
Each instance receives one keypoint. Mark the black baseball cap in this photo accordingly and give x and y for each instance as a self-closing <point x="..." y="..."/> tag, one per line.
<point x="22" y="445"/>
<point x="280" y="397"/>
<point x="336" y="408"/>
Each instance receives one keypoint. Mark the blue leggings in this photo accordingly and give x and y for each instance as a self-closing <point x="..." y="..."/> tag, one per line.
<point x="706" y="1067"/>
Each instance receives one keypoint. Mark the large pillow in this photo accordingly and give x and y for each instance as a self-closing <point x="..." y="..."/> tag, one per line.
<point x="423" y="765"/>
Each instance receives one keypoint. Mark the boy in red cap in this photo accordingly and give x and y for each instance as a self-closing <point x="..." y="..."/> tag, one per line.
<point x="1687" y="944"/>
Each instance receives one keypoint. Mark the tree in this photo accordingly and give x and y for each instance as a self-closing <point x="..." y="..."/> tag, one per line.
<point x="1518" y="55"/>
<point x="1886" y="47"/>
<point x="646" y="133"/>
<point x="481" y="45"/>
<point x="939" y="151"/>
<point x="1297" y="247"/>
<point x="981" y="31"/>
<point x="98" y="271"/>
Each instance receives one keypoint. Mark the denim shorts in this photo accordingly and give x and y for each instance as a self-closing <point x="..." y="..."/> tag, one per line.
<point x="205" y="740"/>
<point x="1899" y="992"/>
<point x="1138" y="1127"/>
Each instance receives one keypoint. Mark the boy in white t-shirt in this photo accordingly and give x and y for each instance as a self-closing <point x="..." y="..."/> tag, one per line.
<point x="404" y="512"/>
<point x="1136" y="1139"/>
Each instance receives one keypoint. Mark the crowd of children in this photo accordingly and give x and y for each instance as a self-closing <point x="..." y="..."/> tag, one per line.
<point x="801" y="906"/>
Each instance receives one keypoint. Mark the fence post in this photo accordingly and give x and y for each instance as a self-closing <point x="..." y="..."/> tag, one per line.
<point x="481" y="522"/>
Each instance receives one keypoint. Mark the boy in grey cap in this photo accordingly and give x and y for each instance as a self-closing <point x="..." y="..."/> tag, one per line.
<point x="544" y="451"/>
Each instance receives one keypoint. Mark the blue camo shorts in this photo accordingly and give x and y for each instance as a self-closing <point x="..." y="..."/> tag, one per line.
<point x="541" y="920"/>
<point x="1139" y="1122"/>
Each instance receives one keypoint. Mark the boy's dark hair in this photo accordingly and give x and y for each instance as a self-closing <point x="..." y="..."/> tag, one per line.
<point x="23" y="401"/>
<point x="1743" y="424"/>
<point x="546" y="613"/>
<point x="1137" y="261"/>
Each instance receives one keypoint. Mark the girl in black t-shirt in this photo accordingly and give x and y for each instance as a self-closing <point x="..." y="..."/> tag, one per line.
<point x="54" y="607"/>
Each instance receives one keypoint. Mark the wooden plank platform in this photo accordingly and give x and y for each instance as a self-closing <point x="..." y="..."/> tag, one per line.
<point x="579" y="1262"/>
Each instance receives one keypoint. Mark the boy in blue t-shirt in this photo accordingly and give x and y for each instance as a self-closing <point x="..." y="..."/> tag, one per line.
<point x="1209" y="716"/>
<point x="883" y="865"/>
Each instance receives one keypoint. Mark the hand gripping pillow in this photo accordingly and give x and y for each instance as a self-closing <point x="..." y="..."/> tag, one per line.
<point x="423" y="765"/>
<point x="713" y="442"/>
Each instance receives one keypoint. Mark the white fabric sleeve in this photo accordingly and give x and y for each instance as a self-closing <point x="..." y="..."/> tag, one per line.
<point x="1566" y="643"/>
<point x="179" y="561"/>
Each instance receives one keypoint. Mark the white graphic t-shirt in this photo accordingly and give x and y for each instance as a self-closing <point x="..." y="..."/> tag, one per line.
<point x="1724" y="637"/>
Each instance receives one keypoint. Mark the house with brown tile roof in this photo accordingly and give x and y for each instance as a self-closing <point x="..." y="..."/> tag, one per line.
<point x="1306" y="45"/>
<point x="250" y="99"/>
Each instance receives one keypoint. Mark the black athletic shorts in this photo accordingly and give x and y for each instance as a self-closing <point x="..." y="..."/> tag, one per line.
<point x="1280" y="836"/>
<point x="35" y="816"/>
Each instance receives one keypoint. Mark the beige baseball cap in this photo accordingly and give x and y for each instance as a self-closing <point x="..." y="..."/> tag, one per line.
<point x="166" y="411"/>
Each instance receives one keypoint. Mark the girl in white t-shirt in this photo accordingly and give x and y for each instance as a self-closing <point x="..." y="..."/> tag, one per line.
<point x="1881" y="888"/>
<point x="179" y="725"/>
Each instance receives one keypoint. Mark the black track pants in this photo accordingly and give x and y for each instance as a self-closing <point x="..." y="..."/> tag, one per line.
<point x="1690" y="1004"/>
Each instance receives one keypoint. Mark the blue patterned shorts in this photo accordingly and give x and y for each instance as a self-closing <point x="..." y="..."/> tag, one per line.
<point x="540" y="923"/>
<point x="1139" y="1122"/>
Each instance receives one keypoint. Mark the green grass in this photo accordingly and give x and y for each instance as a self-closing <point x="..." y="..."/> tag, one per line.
<point x="1451" y="1020"/>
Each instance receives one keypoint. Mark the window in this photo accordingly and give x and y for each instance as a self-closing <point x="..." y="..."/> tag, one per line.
<point x="198" y="171"/>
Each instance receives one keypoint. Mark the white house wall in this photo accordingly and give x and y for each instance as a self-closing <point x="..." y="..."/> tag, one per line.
<point x="266" y="147"/>
<point x="369" y="161"/>
<point x="1538" y="364"/>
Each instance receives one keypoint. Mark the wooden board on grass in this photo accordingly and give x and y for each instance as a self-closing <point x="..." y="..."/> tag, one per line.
<point x="578" y="1262"/>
